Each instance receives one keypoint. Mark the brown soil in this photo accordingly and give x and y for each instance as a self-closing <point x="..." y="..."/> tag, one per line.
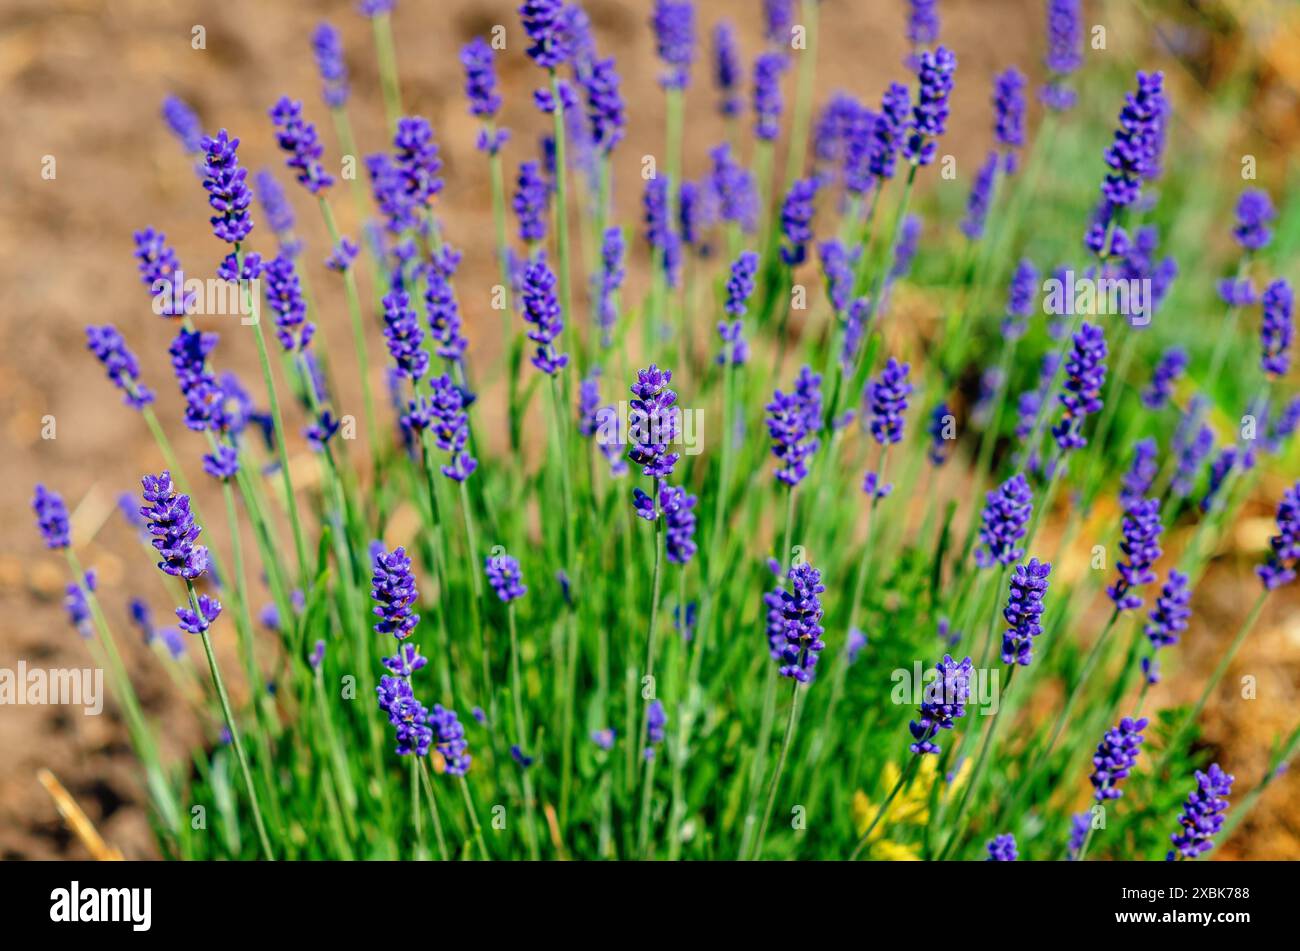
<point x="82" y="81"/>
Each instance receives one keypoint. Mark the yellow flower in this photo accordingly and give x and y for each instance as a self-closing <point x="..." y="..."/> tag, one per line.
<point x="911" y="807"/>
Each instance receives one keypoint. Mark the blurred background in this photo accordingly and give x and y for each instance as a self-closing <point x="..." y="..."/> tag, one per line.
<point x="83" y="82"/>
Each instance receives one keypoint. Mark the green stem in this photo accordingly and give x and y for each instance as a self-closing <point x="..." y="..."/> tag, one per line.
<point x="780" y="768"/>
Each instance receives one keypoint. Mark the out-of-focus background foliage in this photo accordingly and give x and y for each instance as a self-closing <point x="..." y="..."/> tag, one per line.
<point x="82" y="81"/>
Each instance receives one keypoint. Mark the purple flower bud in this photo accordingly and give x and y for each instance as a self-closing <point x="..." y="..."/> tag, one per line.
<point x="504" y="576"/>
<point x="1009" y="104"/>
<point x="406" y="714"/>
<point x="887" y="400"/>
<point x="801" y="614"/>
<point x="392" y="587"/>
<point x="1277" y="328"/>
<point x="228" y="192"/>
<point x="543" y="22"/>
<point x="673" y="22"/>
<point x="930" y="114"/>
<point x="943" y="703"/>
<point x="198" y="621"/>
<point x="172" y="525"/>
<point x="531" y="203"/>
<point x="606" y="116"/>
<point x="1006" y="516"/>
<point x="1137" y="481"/>
<point x="1284" y="554"/>
<point x="1172" y="364"/>
<point x="51" y="518"/>
<point x="1255" y="212"/>
<point x="1022" y="299"/>
<point x="328" y="47"/>
<point x="222" y="463"/>
<point x="1023" y="611"/>
<point x="679" y="523"/>
<point x="1115" y="758"/>
<point x="981" y="195"/>
<point x="1170" y="615"/>
<point x="653" y="420"/>
<point x="542" y="312"/>
<point x="793" y="421"/>
<point x="1202" y="816"/>
<point x="284" y="297"/>
<point x="184" y="124"/>
<point x="796" y="221"/>
<point x="111" y="350"/>
<point x="1085" y="374"/>
<point x="404" y="336"/>
<point x="767" y="95"/>
<point x="609" y="280"/>
<point x="299" y="140"/>
<point x="450" y="740"/>
<point x="922" y="22"/>
<point x="726" y="68"/>
<point x="1002" y="848"/>
<point x="480" y="78"/>
<point x="1141" y="545"/>
<point x="659" y="233"/>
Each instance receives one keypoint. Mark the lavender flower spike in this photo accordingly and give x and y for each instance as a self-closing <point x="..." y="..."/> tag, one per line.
<point x="1085" y="373"/>
<point x="1003" y="848"/>
<point x="930" y="114"/>
<point x="1169" y="368"/>
<point x="801" y="613"/>
<point x="184" y="124"/>
<point x="172" y="525"/>
<point x="652" y="423"/>
<point x="1023" y="611"/>
<point x="480" y="78"/>
<point x="297" y="138"/>
<point x="504" y="576"/>
<point x="1116" y="756"/>
<point x="887" y="400"/>
<point x="1170" y="614"/>
<point x="767" y="95"/>
<point x="1277" y="328"/>
<point x="405" y="338"/>
<point x="793" y="421"/>
<point x="392" y="587"/>
<point x="328" y="48"/>
<point x="1009" y="104"/>
<point x="1255" y="212"/>
<point x="52" y="518"/>
<point x="542" y="311"/>
<point x="981" y="195"/>
<point x="228" y="192"/>
<point x="1064" y="53"/>
<point x="674" y="28"/>
<point x="1202" y="816"/>
<point x="543" y="22"/>
<point x="944" y="703"/>
<point x="609" y="281"/>
<point x="1141" y="544"/>
<point x="796" y="221"/>
<point x="726" y="68"/>
<point x="1284" y="547"/>
<point x="111" y="350"/>
<point x="1006" y="517"/>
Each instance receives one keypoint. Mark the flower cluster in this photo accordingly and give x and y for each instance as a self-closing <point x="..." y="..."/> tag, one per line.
<point x="1284" y="547"/>
<point x="930" y="114"/>
<point x="504" y="576"/>
<point x="801" y="613"/>
<point x="793" y="421"/>
<point x="1006" y="516"/>
<point x="228" y="192"/>
<point x="1023" y="611"/>
<point x="1202" y="816"/>
<point x="887" y="401"/>
<point x="172" y="525"/>
<point x="1141" y="546"/>
<point x="328" y="47"/>
<point x="1085" y="374"/>
<point x="943" y="705"/>
<point x="110" y="349"/>
<point x="298" y="138"/>
<point x="1115" y="758"/>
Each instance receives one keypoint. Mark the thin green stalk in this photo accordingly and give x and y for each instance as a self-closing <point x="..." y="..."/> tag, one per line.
<point x="521" y="731"/>
<point x="235" y="740"/>
<point x="388" y="81"/>
<point x="804" y="94"/>
<point x="433" y="808"/>
<point x="780" y="768"/>
<point x="473" y="819"/>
